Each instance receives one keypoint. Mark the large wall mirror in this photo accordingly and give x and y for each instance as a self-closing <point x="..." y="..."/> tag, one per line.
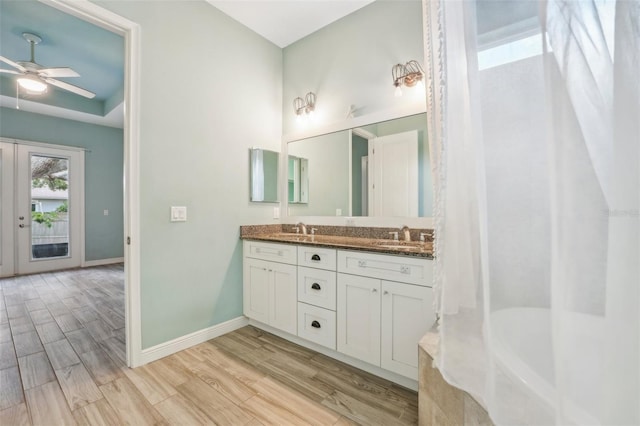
<point x="263" y="175"/>
<point x="377" y="170"/>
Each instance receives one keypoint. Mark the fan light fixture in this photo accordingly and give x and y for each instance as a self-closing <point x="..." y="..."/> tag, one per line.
<point x="304" y="106"/>
<point x="408" y="75"/>
<point x="32" y="84"/>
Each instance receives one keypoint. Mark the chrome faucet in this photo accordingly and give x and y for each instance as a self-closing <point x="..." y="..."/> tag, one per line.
<point x="406" y="233"/>
<point x="302" y="227"/>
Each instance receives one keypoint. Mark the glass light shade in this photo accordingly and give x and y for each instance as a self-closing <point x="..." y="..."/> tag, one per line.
<point x="398" y="92"/>
<point x="32" y="84"/>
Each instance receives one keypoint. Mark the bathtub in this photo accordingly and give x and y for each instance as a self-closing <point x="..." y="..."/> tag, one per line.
<point x="522" y="350"/>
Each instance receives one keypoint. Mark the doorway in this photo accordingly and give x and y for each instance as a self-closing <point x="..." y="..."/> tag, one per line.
<point x="43" y="208"/>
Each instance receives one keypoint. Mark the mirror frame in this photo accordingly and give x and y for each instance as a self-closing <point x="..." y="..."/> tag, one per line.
<point x="364" y="120"/>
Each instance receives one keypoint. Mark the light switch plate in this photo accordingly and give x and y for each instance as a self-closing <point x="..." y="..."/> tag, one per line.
<point x="276" y="212"/>
<point x="338" y="212"/>
<point x="178" y="214"/>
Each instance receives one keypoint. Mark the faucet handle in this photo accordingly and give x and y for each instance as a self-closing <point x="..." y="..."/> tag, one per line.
<point x="395" y="235"/>
<point x="422" y="235"/>
<point x="313" y="231"/>
<point x="297" y="229"/>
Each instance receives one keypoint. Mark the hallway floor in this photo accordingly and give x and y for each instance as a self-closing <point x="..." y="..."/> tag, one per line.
<point x="62" y="357"/>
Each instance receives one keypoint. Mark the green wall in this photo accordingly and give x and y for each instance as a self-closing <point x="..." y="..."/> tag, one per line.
<point x="103" y="172"/>
<point x="210" y="89"/>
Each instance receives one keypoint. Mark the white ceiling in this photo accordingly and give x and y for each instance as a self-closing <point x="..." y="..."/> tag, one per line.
<point x="286" y="21"/>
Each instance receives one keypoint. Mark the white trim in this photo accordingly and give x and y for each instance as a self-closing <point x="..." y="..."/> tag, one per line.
<point x="181" y="343"/>
<point x="369" y="368"/>
<point x="130" y="30"/>
<point x="100" y="262"/>
<point x="43" y="144"/>
<point x="363" y="120"/>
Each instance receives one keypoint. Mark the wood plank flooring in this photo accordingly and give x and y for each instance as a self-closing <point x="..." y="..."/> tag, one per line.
<point x="62" y="362"/>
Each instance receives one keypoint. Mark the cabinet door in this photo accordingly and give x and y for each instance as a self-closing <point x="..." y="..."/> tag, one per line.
<point x="283" y="298"/>
<point x="358" y="312"/>
<point x="256" y="283"/>
<point x="407" y="314"/>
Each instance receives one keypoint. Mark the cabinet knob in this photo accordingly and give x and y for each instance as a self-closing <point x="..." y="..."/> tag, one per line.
<point x="362" y="263"/>
<point x="386" y="292"/>
<point x="315" y="257"/>
<point x="315" y="286"/>
<point x="315" y="324"/>
<point x="374" y="290"/>
<point x="404" y="270"/>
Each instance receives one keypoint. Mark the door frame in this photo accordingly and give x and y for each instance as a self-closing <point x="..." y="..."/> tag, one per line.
<point x="130" y="30"/>
<point x="7" y="210"/>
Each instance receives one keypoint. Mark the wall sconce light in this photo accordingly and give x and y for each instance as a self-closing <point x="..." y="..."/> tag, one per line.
<point x="304" y="106"/>
<point x="408" y="75"/>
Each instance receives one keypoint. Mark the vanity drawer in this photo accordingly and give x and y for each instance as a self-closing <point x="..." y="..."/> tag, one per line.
<point x="317" y="325"/>
<point x="283" y="253"/>
<point x="317" y="257"/>
<point x="317" y="287"/>
<point x="393" y="268"/>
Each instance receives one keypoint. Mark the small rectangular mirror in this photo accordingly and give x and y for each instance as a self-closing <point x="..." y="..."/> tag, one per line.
<point x="263" y="175"/>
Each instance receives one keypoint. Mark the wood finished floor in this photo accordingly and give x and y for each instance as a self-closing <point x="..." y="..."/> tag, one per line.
<point x="62" y="362"/>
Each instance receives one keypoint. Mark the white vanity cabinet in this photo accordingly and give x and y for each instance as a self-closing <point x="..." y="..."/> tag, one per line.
<point x="269" y="284"/>
<point x="381" y="321"/>
<point x="367" y="309"/>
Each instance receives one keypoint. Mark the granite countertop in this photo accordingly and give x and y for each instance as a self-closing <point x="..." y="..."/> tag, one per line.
<point x="376" y="245"/>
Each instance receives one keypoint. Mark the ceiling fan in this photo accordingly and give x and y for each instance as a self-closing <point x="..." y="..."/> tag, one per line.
<point x="34" y="77"/>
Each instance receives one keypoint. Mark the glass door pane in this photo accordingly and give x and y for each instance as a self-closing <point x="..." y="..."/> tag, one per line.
<point x="49" y="207"/>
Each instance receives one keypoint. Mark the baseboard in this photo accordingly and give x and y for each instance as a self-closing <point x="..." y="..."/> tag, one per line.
<point x="100" y="262"/>
<point x="176" y="345"/>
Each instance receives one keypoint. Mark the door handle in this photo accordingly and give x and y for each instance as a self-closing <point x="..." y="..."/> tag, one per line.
<point x="21" y="218"/>
<point x="22" y="225"/>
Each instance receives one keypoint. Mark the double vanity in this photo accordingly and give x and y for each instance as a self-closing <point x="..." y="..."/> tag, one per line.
<point x="356" y="294"/>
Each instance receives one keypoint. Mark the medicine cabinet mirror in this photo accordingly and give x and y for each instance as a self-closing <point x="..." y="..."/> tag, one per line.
<point x="263" y="175"/>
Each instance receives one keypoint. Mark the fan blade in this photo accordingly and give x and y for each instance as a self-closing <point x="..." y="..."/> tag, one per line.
<point x="70" y="87"/>
<point x="58" y="72"/>
<point x="13" y="64"/>
<point x="9" y="71"/>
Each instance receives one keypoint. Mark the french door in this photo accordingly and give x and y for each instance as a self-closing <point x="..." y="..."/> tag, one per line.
<point x="42" y="208"/>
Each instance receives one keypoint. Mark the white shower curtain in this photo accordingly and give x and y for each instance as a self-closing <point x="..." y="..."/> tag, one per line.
<point x="534" y="110"/>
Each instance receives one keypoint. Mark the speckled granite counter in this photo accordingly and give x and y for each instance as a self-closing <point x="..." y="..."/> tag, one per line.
<point x="349" y="238"/>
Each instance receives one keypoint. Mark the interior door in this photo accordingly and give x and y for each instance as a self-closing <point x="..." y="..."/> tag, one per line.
<point x="49" y="208"/>
<point x="7" y="228"/>
<point x="393" y="175"/>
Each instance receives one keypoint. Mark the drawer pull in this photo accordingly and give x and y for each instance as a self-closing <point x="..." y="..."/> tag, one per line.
<point x="315" y="286"/>
<point x="405" y="269"/>
<point x="362" y="263"/>
<point x="315" y="257"/>
<point x="315" y="324"/>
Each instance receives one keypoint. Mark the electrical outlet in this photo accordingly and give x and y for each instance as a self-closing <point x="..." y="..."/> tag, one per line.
<point x="276" y="212"/>
<point x="338" y="212"/>
<point x="106" y="212"/>
<point x="178" y="214"/>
